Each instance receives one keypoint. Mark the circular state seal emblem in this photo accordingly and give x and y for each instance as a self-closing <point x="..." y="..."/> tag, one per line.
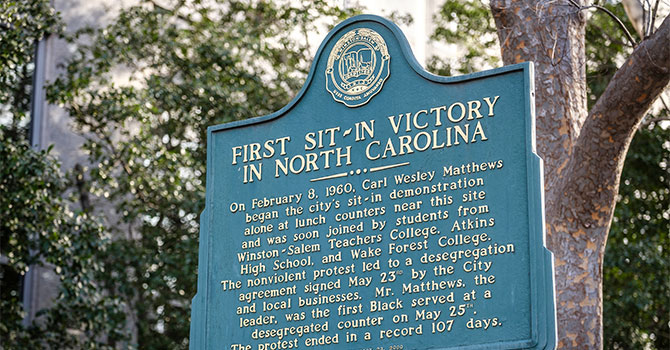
<point x="357" y="67"/>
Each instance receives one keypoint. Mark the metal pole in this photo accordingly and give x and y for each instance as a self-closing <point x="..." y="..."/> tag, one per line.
<point x="31" y="278"/>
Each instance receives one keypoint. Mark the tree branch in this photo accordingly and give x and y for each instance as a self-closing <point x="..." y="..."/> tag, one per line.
<point x="637" y="83"/>
<point x="648" y="122"/>
<point x="609" y="37"/>
<point x="645" y="20"/>
<point x="665" y="104"/>
<point x="653" y="18"/>
<point x="609" y="13"/>
<point x="600" y="150"/>
<point x="80" y="182"/>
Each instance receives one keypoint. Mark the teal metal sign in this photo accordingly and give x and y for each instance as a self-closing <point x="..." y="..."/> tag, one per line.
<point x="383" y="208"/>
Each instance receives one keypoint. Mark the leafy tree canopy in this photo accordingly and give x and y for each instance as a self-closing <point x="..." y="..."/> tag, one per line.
<point x="38" y="227"/>
<point x="22" y="24"/>
<point x="185" y="65"/>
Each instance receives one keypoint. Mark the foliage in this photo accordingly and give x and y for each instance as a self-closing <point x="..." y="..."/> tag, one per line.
<point x="606" y="48"/>
<point x="29" y="203"/>
<point x="636" y="274"/>
<point x="465" y="25"/>
<point x="190" y="64"/>
<point x="37" y="227"/>
<point x="636" y="277"/>
<point x="22" y="24"/>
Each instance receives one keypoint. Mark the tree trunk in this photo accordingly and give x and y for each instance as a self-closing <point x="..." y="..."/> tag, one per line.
<point x="583" y="152"/>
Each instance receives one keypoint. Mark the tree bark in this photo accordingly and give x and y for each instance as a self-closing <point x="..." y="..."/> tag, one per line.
<point x="583" y="152"/>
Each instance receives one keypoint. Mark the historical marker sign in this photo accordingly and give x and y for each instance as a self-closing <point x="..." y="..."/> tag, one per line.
<point x="383" y="208"/>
